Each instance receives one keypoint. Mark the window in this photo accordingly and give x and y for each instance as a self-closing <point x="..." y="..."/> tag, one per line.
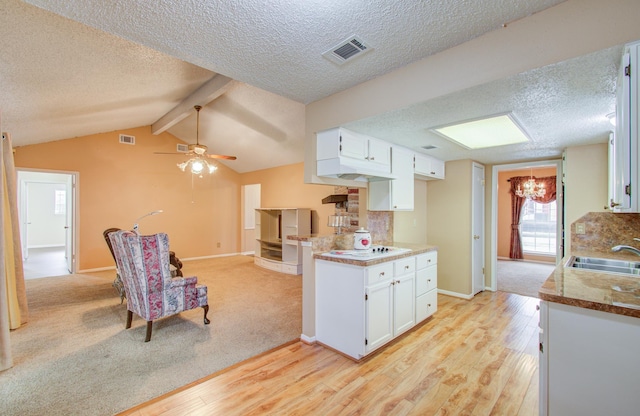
<point x="538" y="227"/>
<point x="60" y="204"/>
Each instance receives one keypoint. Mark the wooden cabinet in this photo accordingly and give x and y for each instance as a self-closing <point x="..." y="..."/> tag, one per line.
<point x="426" y="285"/>
<point x="397" y="194"/>
<point x="588" y="361"/>
<point x="428" y="167"/>
<point x="274" y="250"/>
<point x="359" y="309"/>
<point x="624" y="175"/>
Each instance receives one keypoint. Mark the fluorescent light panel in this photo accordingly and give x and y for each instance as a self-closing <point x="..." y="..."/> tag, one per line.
<point x="492" y="131"/>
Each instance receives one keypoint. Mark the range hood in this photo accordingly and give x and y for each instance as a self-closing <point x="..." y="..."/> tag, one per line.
<point x="349" y="169"/>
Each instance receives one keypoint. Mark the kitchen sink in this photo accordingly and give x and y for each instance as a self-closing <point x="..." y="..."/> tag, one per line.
<point x="605" y="265"/>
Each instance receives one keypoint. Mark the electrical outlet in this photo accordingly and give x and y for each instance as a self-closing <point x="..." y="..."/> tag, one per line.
<point x="218" y="245"/>
<point x="580" y="228"/>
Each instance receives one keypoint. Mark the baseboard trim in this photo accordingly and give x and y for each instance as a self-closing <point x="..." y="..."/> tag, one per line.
<point x="307" y="340"/>
<point x="455" y="294"/>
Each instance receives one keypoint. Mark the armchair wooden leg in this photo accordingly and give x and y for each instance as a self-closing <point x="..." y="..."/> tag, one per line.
<point x="149" y="324"/>
<point x="206" y="311"/>
<point x="129" y="318"/>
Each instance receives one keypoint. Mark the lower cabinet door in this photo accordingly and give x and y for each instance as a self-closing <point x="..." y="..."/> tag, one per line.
<point x="404" y="312"/>
<point x="379" y="313"/>
<point x="426" y="305"/>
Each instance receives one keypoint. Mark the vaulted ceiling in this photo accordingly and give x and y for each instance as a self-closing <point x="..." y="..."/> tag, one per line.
<point x="76" y="68"/>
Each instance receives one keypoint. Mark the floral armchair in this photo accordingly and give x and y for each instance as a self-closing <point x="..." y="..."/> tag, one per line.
<point x="152" y="293"/>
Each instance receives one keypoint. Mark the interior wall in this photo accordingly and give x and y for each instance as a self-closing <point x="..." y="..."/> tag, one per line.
<point x="118" y="183"/>
<point x="504" y="211"/>
<point x="586" y="184"/>
<point x="45" y="229"/>
<point x="449" y="226"/>
<point x="284" y="187"/>
<point x="411" y="226"/>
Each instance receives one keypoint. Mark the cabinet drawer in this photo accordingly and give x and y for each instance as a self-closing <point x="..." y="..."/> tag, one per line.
<point x="426" y="305"/>
<point x="427" y="259"/>
<point x="404" y="266"/>
<point x="379" y="273"/>
<point x="426" y="280"/>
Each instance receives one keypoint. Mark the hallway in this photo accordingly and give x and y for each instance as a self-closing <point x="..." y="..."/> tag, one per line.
<point x="45" y="262"/>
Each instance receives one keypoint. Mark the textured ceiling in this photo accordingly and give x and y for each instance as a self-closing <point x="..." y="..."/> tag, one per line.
<point x="76" y="68"/>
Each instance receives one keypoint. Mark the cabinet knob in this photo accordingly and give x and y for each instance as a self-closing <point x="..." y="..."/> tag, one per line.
<point x="372" y="158"/>
<point x="476" y="237"/>
<point x="613" y="204"/>
<point x="537" y="307"/>
<point x="406" y="267"/>
<point x="428" y="280"/>
<point x="381" y="273"/>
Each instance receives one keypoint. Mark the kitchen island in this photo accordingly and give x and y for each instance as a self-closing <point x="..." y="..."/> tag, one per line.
<point x="590" y="341"/>
<point x="364" y="301"/>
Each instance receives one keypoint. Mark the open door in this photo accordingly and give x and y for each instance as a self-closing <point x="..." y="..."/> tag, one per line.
<point x="69" y="228"/>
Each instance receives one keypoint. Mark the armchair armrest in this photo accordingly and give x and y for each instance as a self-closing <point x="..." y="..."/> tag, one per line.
<point x="183" y="281"/>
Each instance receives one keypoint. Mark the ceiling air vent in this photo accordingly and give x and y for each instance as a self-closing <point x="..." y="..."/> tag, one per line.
<point x="126" y="139"/>
<point x="347" y="50"/>
<point x="182" y="148"/>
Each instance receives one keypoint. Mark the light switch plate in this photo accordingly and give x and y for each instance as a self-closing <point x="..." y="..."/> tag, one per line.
<point x="580" y="228"/>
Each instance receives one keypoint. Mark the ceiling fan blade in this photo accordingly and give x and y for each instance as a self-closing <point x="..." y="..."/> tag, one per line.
<point x="221" y="157"/>
<point x="174" y="153"/>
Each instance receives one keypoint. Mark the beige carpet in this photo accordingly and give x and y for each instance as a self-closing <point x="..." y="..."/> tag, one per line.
<point x="521" y="277"/>
<point x="75" y="357"/>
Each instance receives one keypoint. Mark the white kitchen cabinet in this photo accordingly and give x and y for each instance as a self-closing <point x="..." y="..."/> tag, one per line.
<point x="359" y="309"/>
<point x="428" y="167"/>
<point x="589" y="361"/>
<point x="624" y="175"/>
<point x="274" y="251"/>
<point x="397" y="194"/>
<point x="426" y="285"/>
<point x="344" y="153"/>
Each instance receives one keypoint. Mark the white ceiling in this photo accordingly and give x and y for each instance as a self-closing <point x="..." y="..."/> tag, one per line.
<point x="76" y="68"/>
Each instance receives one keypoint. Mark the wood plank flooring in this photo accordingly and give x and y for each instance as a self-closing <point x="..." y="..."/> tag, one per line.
<point x="477" y="357"/>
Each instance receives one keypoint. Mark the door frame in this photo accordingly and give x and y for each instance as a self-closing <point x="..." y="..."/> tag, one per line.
<point x="557" y="163"/>
<point x="73" y="189"/>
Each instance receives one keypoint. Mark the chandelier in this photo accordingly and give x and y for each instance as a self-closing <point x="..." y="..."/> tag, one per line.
<point x="531" y="190"/>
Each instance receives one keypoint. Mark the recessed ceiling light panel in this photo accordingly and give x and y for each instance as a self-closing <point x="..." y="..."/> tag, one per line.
<point x="498" y="130"/>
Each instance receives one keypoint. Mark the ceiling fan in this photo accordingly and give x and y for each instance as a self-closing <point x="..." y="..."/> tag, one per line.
<point x="198" y="150"/>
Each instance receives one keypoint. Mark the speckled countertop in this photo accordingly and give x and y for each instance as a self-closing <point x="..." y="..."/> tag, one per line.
<point x="607" y="292"/>
<point x="415" y="250"/>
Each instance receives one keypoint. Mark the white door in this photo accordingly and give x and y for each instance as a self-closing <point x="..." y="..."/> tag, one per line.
<point x="404" y="311"/>
<point x="477" y="226"/>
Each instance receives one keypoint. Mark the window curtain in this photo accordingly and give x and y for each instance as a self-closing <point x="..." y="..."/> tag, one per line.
<point x="517" y="202"/>
<point x="14" y="311"/>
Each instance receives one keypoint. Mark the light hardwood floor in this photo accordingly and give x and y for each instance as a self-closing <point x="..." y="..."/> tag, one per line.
<point x="477" y="357"/>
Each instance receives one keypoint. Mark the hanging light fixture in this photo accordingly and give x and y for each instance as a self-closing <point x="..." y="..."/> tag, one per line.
<point x="198" y="164"/>
<point x="530" y="189"/>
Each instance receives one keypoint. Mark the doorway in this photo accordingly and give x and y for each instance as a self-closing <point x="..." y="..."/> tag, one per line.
<point x="47" y="215"/>
<point x="553" y="236"/>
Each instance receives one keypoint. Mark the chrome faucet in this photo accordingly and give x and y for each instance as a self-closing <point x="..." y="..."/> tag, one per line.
<point x="628" y="248"/>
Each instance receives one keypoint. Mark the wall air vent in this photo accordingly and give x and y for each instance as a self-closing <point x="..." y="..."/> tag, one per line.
<point x="126" y="139"/>
<point x="347" y="50"/>
<point x="182" y="148"/>
<point x="429" y="147"/>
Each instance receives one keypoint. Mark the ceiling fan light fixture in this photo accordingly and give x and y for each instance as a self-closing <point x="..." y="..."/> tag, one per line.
<point x="197" y="166"/>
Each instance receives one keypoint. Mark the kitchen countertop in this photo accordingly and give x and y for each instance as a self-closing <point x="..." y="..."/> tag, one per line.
<point x="593" y="289"/>
<point x="415" y="250"/>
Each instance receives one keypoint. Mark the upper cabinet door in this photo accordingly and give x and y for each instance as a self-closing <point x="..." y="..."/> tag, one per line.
<point x="353" y="145"/>
<point x="428" y="167"/>
<point x="379" y="152"/>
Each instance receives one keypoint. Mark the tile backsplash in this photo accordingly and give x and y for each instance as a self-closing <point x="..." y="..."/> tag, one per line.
<point x="603" y="230"/>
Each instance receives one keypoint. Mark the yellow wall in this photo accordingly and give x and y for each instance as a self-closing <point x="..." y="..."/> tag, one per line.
<point x="504" y="210"/>
<point x="449" y="224"/>
<point x="586" y="184"/>
<point x="119" y="183"/>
